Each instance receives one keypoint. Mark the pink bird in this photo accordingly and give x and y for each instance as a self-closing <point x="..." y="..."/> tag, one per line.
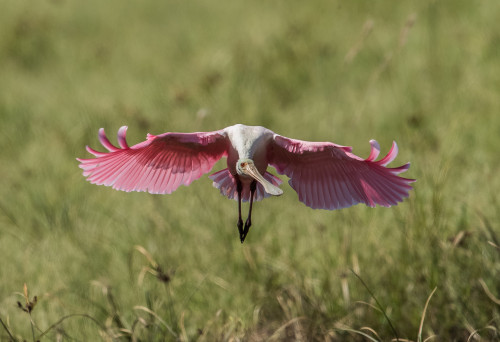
<point x="324" y="175"/>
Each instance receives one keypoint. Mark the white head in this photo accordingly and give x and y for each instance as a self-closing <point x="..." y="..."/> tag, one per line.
<point x="247" y="167"/>
<point x="242" y="164"/>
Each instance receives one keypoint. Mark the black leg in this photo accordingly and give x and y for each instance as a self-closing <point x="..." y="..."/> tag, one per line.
<point x="239" y="188"/>
<point x="248" y="223"/>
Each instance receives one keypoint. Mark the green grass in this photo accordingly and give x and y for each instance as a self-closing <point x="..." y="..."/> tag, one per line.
<point x="426" y="74"/>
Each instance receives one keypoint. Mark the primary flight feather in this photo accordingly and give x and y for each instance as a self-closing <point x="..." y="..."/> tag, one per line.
<point x="324" y="175"/>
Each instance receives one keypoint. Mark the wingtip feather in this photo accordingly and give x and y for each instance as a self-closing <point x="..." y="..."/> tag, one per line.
<point x="393" y="152"/>
<point x="122" y="141"/>
<point x="94" y="152"/>
<point x="105" y="141"/>
<point x="374" y="151"/>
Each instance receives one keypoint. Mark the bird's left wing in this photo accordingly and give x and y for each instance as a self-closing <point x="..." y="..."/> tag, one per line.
<point x="329" y="176"/>
<point x="158" y="165"/>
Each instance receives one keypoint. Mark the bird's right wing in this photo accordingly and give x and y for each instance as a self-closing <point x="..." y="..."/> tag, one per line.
<point x="329" y="176"/>
<point x="158" y="165"/>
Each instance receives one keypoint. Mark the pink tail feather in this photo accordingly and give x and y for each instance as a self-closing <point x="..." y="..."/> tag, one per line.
<point x="225" y="182"/>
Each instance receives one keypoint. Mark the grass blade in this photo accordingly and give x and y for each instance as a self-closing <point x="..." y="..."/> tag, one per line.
<point x="103" y="328"/>
<point x="7" y="330"/>
<point x="143" y="308"/>
<point x="419" y="338"/>
<point x="361" y="333"/>
<point x="378" y="304"/>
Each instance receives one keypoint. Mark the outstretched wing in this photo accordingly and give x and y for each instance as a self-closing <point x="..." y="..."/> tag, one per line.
<point x="158" y="165"/>
<point x="329" y="176"/>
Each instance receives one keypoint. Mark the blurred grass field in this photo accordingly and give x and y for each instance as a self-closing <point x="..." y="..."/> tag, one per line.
<point x="426" y="74"/>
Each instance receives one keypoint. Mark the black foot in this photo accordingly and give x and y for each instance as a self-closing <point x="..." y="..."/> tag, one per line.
<point x="243" y="234"/>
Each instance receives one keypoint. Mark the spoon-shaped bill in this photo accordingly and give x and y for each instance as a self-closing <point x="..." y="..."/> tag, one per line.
<point x="252" y="171"/>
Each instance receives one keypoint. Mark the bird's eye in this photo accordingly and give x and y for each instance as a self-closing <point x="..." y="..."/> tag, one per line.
<point x="243" y="164"/>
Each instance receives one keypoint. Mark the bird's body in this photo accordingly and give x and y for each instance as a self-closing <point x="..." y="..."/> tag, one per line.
<point x="325" y="175"/>
<point x="248" y="142"/>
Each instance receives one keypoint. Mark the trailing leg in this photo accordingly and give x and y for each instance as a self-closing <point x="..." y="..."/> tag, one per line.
<point x="239" y="189"/>
<point x="248" y="223"/>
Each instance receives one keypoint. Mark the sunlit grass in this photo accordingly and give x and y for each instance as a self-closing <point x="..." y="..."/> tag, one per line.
<point x="424" y="74"/>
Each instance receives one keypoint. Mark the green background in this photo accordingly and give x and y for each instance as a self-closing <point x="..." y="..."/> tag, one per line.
<point x="423" y="73"/>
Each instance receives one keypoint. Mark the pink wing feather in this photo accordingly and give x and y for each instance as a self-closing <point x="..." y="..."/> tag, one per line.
<point x="329" y="176"/>
<point x="158" y="165"/>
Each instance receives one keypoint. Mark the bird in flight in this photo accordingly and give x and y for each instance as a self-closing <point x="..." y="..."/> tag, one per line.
<point x="324" y="175"/>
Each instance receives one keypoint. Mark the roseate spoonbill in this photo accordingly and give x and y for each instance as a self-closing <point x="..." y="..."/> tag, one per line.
<point x="324" y="175"/>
